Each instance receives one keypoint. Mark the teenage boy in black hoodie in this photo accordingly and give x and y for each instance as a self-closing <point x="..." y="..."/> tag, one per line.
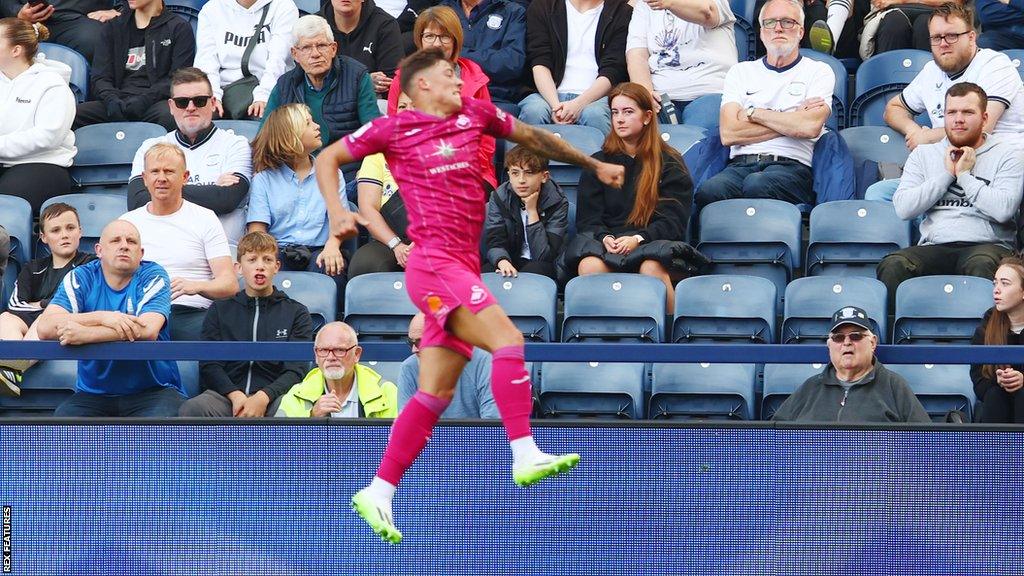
<point x="259" y="313"/>
<point x="131" y="69"/>
<point x="365" y="32"/>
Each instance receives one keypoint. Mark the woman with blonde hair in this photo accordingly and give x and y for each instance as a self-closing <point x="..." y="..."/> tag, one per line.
<point x="625" y="230"/>
<point x="998" y="387"/>
<point x="438" y="27"/>
<point x="285" y="200"/>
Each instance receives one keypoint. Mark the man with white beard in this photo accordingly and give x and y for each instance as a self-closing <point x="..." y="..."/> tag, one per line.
<point x="773" y="111"/>
<point x="340" y="387"/>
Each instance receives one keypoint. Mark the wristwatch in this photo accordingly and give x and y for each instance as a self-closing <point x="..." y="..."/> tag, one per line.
<point x="750" y="112"/>
<point x="394" y="242"/>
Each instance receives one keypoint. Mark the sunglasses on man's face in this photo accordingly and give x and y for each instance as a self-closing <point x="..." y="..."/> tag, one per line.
<point x="853" y="336"/>
<point x="181" y="102"/>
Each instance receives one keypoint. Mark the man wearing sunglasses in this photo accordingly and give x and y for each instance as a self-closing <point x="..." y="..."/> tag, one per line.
<point x="339" y="386"/>
<point x="219" y="162"/>
<point x="855" y="386"/>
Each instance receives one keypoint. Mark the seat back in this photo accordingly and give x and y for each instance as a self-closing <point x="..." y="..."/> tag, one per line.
<point x="585" y="138"/>
<point x="388" y="370"/>
<point x="850" y="237"/>
<point x="875" y="144"/>
<point x="725" y="308"/>
<point x="614" y="307"/>
<point x="703" y="112"/>
<point x="318" y="292"/>
<point x="308" y="6"/>
<point x="106" y="151"/>
<point x="592" y="389"/>
<point x="79" y="82"/>
<point x="940" y="387"/>
<point x="682" y="136"/>
<point x="247" y="128"/>
<point x="940" y="309"/>
<point x="811" y="302"/>
<point x="95" y="211"/>
<point x="881" y="77"/>
<point x="781" y="380"/>
<point x="16" y="218"/>
<point x="1017" y="58"/>
<point x="378" y="307"/>
<point x="837" y="120"/>
<point x="529" y="300"/>
<point x="703" y="391"/>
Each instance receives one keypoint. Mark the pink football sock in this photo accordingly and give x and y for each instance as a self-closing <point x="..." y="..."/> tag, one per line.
<point x="409" y="435"/>
<point x="510" y="384"/>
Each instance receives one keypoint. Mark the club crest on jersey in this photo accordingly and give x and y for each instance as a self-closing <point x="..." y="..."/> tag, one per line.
<point x="500" y="114"/>
<point x="462" y="121"/>
<point x="494" y="21"/>
<point x="444" y="150"/>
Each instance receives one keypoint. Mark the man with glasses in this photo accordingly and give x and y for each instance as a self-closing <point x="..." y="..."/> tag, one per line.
<point x="855" y="386"/>
<point x="473" y="397"/>
<point x="773" y="111"/>
<point x="219" y="162"/>
<point x="339" y="386"/>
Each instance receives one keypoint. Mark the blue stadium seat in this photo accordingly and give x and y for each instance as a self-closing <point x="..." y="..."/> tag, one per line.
<point x="781" y="380"/>
<point x="106" y="151"/>
<point x="755" y="237"/>
<point x="388" y="370"/>
<point x="247" y="128"/>
<point x="43" y="388"/>
<point x="881" y="77"/>
<point x="530" y="300"/>
<point x="875" y="144"/>
<point x="378" y="307"/>
<point x="79" y="67"/>
<point x="745" y="29"/>
<point x="592" y="389"/>
<point x="940" y="309"/>
<point x="95" y="211"/>
<point x="940" y="387"/>
<point x="837" y="120"/>
<point x="308" y="6"/>
<point x="588" y="140"/>
<point x="1017" y="57"/>
<point x="318" y="292"/>
<point x="725" y="308"/>
<point x="702" y="113"/>
<point x="850" y="237"/>
<point x="189" y="372"/>
<point x="614" y="307"/>
<point x="681" y="136"/>
<point x="703" y="391"/>
<point x="16" y="218"/>
<point x="811" y="302"/>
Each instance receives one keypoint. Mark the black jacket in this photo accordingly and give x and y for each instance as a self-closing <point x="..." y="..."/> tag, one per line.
<point x="504" y="233"/>
<point x="170" y="45"/>
<point x="276" y="318"/>
<point x="603" y="210"/>
<point x="547" y="38"/>
<point x="376" y="41"/>
<point x="983" y="385"/>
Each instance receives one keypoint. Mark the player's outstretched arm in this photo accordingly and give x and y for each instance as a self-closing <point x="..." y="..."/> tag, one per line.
<point x="548" y="145"/>
<point x="343" y="221"/>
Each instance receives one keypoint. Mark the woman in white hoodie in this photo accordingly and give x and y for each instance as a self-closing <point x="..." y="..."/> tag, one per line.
<point x="225" y="27"/>
<point x="37" y="108"/>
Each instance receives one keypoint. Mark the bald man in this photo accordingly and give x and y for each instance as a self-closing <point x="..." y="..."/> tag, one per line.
<point x="118" y="297"/>
<point x="340" y="387"/>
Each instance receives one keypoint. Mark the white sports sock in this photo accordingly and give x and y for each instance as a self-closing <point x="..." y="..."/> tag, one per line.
<point x="524" y="450"/>
<point x="382" y="490"/>
<point x="838" y="12"/>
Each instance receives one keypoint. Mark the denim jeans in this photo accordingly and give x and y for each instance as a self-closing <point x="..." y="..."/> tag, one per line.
<point x="535" y="110"/>
<point x="1002" y="38"/>
<point x="786" y="180"/>
<point x="158" y="402"/>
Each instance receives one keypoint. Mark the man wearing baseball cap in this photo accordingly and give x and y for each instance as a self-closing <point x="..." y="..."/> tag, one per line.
<point x="854" y="387"/>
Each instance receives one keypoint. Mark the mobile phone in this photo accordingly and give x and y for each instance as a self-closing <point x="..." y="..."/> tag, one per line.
<point x="35" y="3"/>
<point x="955" y="154"/>
<point x="668" y="109"/>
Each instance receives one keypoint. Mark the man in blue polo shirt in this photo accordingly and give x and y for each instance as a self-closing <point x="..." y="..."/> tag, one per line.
<point x="116" y="298"/>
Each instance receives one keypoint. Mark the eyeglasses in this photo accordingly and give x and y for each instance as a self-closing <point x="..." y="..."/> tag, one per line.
<point x="413" y="342"/>
<point x="310" y="48"/>
<point x="951" y="38"/>
<point x="430" y="38"/>
<point x="853" y="336"/>
<point x="786" y="23"/>
<point x="337" y="352"/>
<point x="181" y="102"/>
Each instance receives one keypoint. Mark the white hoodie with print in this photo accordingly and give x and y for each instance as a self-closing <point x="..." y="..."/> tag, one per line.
<point x="38" y="108"/>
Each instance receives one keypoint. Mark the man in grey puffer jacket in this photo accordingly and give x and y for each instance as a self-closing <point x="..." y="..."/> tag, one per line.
<point x="968" y="185"/>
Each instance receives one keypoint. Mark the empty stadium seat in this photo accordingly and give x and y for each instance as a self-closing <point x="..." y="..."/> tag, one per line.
<point x="725" y="308"/>
<point x="587" y="139"/>
<point x="592" y="389"/>
<point x="1017" y="57"/>
<point x="681" y="136"/>
<point x="940" y="309"/>
<point x="811" y="302"/>
<point x="781" y="380"/>
<point x="247" y="128"/>
<point x="106" y="151"/>
<point x="756" y="237"/>
<point x="529" y="300"/>
<point x="95" y="211"/>
<point x="308" y="6"/>
<point x="940" y="387"/>
<point x="881" y="77"/>
<point x="614" y="307"/>
<point x="837" y="120"/>
<point x="745" y="29"/>
<point x="875" y="144"/>
<point x="79" y="82"/>
<point x="378" y="307"/>
<point x="318" y="292"/>
<point x="850" y="237"/>
<point x="43" y="387"/>
<point x="703" y="391"/>
<point x="703" y="112"/>
<point x="388" y="370"/>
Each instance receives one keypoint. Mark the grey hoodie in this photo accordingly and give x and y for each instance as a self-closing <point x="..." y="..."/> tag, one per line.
<point x="980" y="206"/>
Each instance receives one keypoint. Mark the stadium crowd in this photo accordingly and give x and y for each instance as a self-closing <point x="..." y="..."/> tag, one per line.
<point x="206" y="205"/>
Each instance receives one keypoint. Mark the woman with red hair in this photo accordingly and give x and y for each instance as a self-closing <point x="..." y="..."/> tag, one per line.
<point x="999" y="387"/>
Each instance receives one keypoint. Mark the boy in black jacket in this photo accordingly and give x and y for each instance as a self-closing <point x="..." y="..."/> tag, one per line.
<point x="131" y="70"/>
<point x="259" y="313"/>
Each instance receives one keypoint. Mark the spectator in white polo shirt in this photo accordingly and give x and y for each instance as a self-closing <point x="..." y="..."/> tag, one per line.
<point x="219" y="162"/>
<point x="680" y="48"/>
<point x="773" y="111"/>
